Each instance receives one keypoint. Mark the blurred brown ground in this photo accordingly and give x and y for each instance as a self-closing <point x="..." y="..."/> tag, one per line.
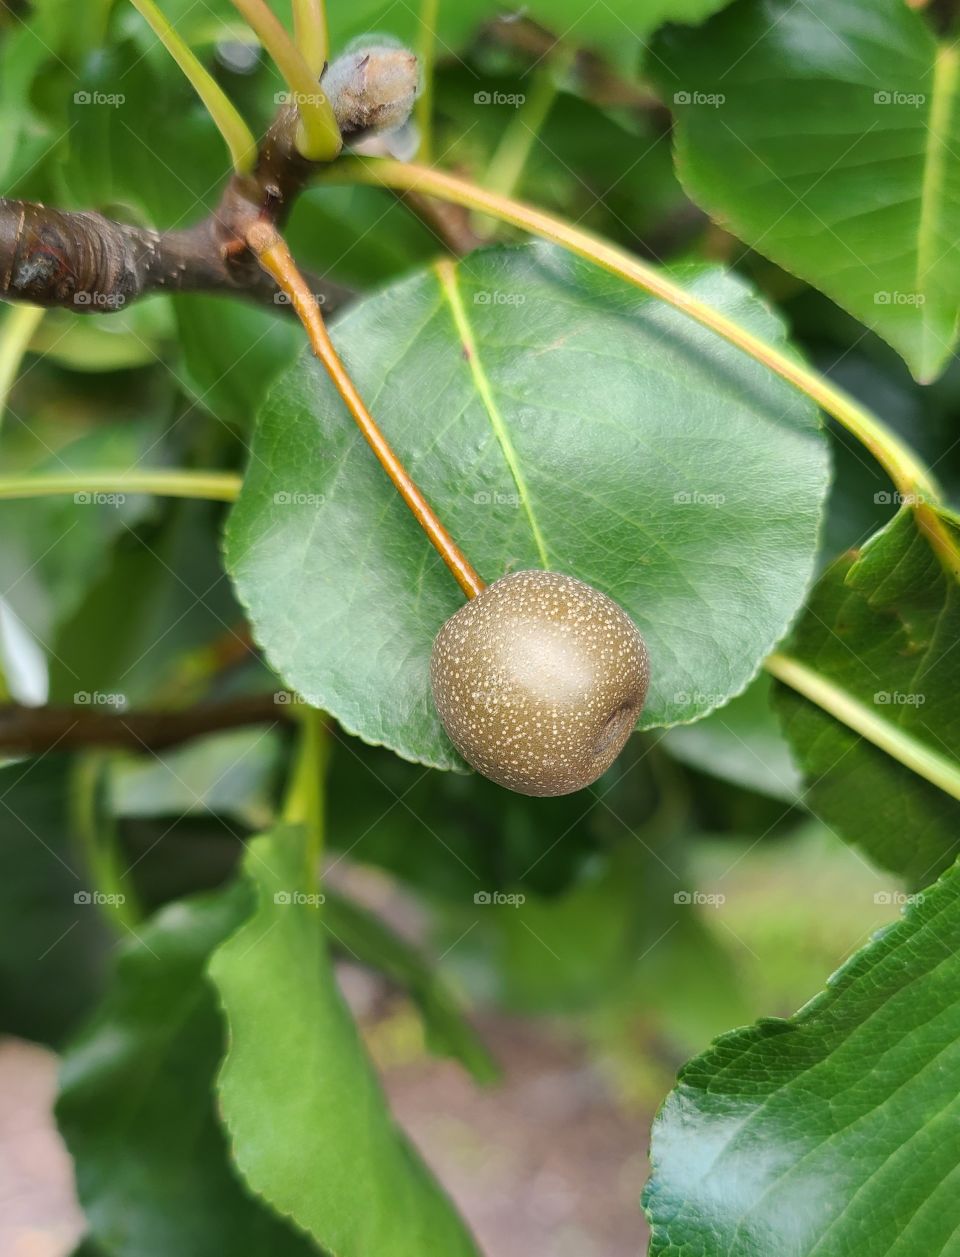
<point x="542" y="1164"/>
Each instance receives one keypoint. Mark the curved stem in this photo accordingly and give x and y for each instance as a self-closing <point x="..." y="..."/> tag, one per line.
<point x="18" y="331"/>
<point x="304" y="802"/>
<point x="318" y="138"/>
<point x="902" y="746"/>
<point x="238" y="136"/>
<point x="512" y="153"/>
<point x="427" y="56"/>
<point x="276" y="259"/>
<point x="904" y="469"/>
<point x="218" y="486"/>
<point x="310" y="33"/>
<point x="96" y="831"/>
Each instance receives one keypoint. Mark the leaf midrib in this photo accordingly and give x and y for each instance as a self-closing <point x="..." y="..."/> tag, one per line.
<point x="449" y="286"/>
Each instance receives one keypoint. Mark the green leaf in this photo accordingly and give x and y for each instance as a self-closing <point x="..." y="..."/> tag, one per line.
<point x="309" y="1125"/>
<point x="823" y="134"/>
<point x="880" y="629"/>
<point x="137" y="1111"/>
<point x="554" y="418"/>
<point x="830" y="1133"/>
<point x="362" y="936"/>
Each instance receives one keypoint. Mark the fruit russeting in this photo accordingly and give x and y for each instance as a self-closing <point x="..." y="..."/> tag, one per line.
<point x="539" y="681"/>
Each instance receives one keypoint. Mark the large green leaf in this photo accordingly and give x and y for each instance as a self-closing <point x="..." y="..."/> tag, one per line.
<point x="136" y="1106"/>
<point x="833" y="1132"/>
<point x="310" y="1129"/>
<point x="555" y="418"/>
<point x="881" y="629"/>
<point x="824" y="134"/>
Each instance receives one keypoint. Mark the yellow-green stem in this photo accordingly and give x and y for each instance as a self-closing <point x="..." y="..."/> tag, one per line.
<point x="318" y="137"/>
<point x="18" y="330"/>
<point x="237" y="135"/>
<point x="219" y="486"/>
<point x="96" y="833"/>
<point x="512" y="153"/>
<point x="304" y="802"/>
<point x="310" y="32"/>
<point x="427" y="56"/>
<point x="850" y="711"/>
<point x="911" y="478"/>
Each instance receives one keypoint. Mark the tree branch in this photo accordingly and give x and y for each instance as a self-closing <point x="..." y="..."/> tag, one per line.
<point x="32" y="730"/>
<point x="87" y="263"/>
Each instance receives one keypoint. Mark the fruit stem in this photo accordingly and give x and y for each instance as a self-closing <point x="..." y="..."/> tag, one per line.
<point x="427" y="56"/>
<point x="277" y="261"/>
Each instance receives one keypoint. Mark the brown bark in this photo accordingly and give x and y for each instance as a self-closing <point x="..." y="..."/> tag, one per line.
<point x="90" y="264"/>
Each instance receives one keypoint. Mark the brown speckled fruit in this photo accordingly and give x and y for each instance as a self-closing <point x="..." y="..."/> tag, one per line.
<point x="539" y="681"/>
